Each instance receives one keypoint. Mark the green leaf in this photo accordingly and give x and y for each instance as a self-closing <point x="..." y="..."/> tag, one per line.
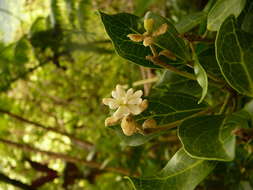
<point x="190" y="21"/>
<point x="208" y="61"/>
<point x="181" y="173"/>
<point x="165" y="108"/>
<point x="136" y="139"/>
<point x="38" y="25"/>
<point x="210" y="137"/>
<point x="168" y="107"/>
<point x="247" y="24"/>
<point x="23" y="51"/>
<point x="221" y="10"/>
<point x="234" y="53"/>
<point x="170" y="40"/>
<point x="201" y="77"/>
<point x="118" y="27"/>
<point x="172" y="82"/>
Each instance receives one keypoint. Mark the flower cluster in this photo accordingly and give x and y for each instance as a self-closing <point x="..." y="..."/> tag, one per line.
<point x="126" y="104"/>
<point x="149" y="35"/>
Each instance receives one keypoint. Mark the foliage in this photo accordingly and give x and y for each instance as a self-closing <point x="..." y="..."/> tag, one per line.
<point x="209" y="134"/>
<point x="196" y="132"/>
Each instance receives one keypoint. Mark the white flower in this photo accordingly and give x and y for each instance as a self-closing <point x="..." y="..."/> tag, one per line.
<point x="126" y="103"/>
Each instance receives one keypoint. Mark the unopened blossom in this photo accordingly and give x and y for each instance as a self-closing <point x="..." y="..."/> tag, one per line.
<point x="125" y="103"/>
<point x="148" y="36"/>
<point x="128" y="125"/>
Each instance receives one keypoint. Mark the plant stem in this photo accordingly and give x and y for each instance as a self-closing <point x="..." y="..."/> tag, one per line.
<point x="64" y="157"/>
<point x="157" y="61"/>
<point x="84" y="144"/>
<point x="15" y="183"/>
<point x="176" y="123"/>
<point x="226" y="101"/>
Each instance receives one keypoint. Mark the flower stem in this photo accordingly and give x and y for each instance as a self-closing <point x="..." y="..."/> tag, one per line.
<point x="226" y="101"/>
<point x="155" y="59"/>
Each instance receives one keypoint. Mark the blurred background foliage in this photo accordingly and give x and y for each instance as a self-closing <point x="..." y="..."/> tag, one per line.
<point x="56" y="65"/>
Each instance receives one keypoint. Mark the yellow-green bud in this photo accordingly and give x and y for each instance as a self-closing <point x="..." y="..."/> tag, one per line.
<point x="148" y="24"/>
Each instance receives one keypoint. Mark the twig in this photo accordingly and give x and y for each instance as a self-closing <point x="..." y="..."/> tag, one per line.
<point x="157" y="61"/>
<point x="226" y="101"/>
<point x="176" y="123"/>
<point x="84" y="144"/>
<point x="64" y="157"/>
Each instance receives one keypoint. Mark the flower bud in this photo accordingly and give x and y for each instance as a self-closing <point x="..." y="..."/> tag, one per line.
<point x="110" y="121"/>
<point x="135" y="37"/>
<point x="149" y="123"/>
<point x="144" y="105"/>
<point x="148" y="24"/>
<point x="161" y="30"/>
<point x="148" y="41"/>
<point x="129" y="125"/>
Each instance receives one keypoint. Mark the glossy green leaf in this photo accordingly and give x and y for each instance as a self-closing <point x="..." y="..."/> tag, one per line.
<point x="168" y="107"/>
<point x="164" y="108"/>
<point x="118" y="27"/>
<point x="234" y="52"/>
<point x="210" y="137"/>
<point x="209" y="63"/>
<point x="136" y="139"/>
<point x="221" y="10"/>
<point x="181" y="173"/>
<point x="170" y="40"/>
<point x="201" y="77"/>
<point x="172" y="82"/>
<point x="247" y="24"/>
<point x="190" y="21"/>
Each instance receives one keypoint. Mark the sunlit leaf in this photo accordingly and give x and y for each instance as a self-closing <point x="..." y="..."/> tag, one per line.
<point x="221" y="10"/>
<point x="190" y="21"/>
<point x="181" y="173"/>
<point x="165" y="108"/>
<point x="201" y="77"/>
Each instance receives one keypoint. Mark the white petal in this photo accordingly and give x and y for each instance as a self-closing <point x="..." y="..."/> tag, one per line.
<point x="134" y="109"/>
<point x="121" y="112"/>
<point x="135" y="101"/>
<point x="137" y="94"/>
<point x="114" y="94"/>
<point x="130" y="92"/>
<point x="120" y="91"/>
<point x="112" y="103"/>
<point x="107" y="101"/>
